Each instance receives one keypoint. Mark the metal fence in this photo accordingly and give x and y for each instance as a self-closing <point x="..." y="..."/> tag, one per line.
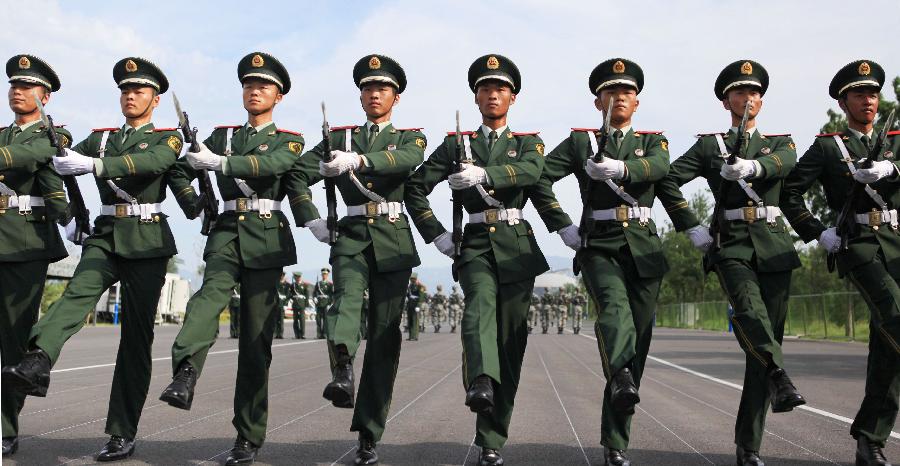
<point x="841" y="315"/>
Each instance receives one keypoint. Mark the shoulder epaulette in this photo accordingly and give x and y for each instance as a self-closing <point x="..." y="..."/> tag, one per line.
<point x="409" y="129"/>
<point x="339" y="128"/>
<point x="159" y="130"/>
<point x="648" y="132"/>
<point x="777" y="135"/>
<point x="527" y="134"/>
<point x="289" y="132"/>
<point x="102" y="130"/>
<point x="708" y="134"/>
<point x="464" y="133"/>
<point x="586" y="130"/>
<point x="229" y="126"/>
<point x="825" y="135"/>
<point x="893" y="133"/>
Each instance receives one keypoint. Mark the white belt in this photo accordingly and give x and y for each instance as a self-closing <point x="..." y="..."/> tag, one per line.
<point x="24" y="203"/>
<point x="376" y="209"/>
<point x="752" y="214"/>
<point x="247" y="204"/>
<point x="145" y="211"/>
<point x="621" y="214"/>
<point x="878" y="217"/>
<point x="489" y="216"/>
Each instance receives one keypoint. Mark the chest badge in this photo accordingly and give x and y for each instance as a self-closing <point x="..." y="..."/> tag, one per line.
<point x="765" y="151"/>
<point x="512" y="154"/>
<point x="263" y="147"/>
<point x="143" y="145"/>
<point x="639" y="152"/>
<point x="392" y="147"/>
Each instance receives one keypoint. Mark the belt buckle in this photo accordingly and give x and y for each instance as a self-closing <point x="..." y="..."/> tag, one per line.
<point x="371" y="209"/>
<point x="622" y="214"/>
<point x="241" y="204"/>
<point x="749" y="214"/>
<point x="875" y="218"/>
<point x="121" y="210"/>
<point x="491" y="216"/>
<point x="4" y="202"/>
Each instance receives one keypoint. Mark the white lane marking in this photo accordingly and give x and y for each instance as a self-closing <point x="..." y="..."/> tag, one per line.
<point x="566" y="412"/>
<point x="469" y="451"/>
<point x="735" y="386"/>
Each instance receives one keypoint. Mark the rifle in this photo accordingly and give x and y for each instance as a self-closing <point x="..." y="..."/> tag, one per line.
<point x="209" y="201"/>
<point x="457" y="197"/>
<point x="77" y="208"/>
<point x="587" y="213"/>
<point x="330" y="194"/>
<point x="846" y="221"/>
<point x="719" y="222"/>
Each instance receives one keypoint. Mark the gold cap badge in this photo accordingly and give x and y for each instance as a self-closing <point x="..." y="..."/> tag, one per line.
<point x="130" y="66"/>
<point x="374" y="63"/>
<point x="618" y="67"/>
<point x="493" y="63"/>
<point x="257" y="61"/>
<point x="864" y="69"/>
<point x="746" y="68"/>
<point x="24" y="63"/>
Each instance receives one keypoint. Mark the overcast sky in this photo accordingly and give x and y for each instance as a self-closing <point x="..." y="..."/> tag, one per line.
<point x="681" y="45"/>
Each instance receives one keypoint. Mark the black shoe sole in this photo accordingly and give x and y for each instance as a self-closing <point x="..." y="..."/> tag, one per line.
<point x="625" y="402"/>
<point x="23" y="385"/>
<point x="106" y="459"/>
<point x="788" y="406"/>
<point x="177" y="402"/>
<point x="12" y="451"/>
<point x="480" y="405"/>
<point x="231" y="461"/>
<point x="339" y="397"/>
<point x="361" y="462"/>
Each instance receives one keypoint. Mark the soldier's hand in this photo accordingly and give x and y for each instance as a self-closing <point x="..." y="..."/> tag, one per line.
<point x="205" y="159"/>
<point x="73" y="163"/>
<point x="70" y="232"/>
<point x="444" y="243"/>
<point x="740" y="169"/>
<point x="879" y="170"/>
<point x="470" y="175"/>
<point x="608" y="169"/>
<point x="340" y="164"/>
<point x="699" y="235"/>
<point x="570" y="236"/>
<point x="197" y="207"/>
<point x="319" y="229"/>
<point x="829" y="240"/>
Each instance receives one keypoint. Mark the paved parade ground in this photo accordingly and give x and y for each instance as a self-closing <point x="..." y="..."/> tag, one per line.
<point x="689" y="399"/>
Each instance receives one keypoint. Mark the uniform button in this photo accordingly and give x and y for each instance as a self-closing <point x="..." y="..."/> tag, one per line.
<point x="241" y="218"/>
<point x="749" y="185"/>
<point x="492" y="229"/>
<point x="625" y="224"/>
<point x="43" y="218"/>
<point x="750" y="203"/>
<point x="2" y="177"/>
<point x="369" y="185"/>
<point x="491" y="192"/>
<point x="280" y="225"/>
<point x="156" y="218"/>
<point x="371" y="221"/>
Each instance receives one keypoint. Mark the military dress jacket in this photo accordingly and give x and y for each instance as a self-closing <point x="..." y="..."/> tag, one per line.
<point x="768" y="245"/>
<point x="513" y="165"/>
<point x="392" y="156"/>
<point x="823" y="162"/>
<point x="25" y="169"/>
<point x="262" y="161"/>
<point x="646" y="157"/>
<point x="138" y="167"/>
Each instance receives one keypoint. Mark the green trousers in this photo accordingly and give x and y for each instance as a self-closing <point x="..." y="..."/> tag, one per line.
<point x="299" y="319"/>
<point x="494" y="335"/>
<point x="234" y="317"/>
<point x="626" y="307"/>
<point x="321" y="312"/>
<point x="878" y="411"/>
<point x="259" y="309"/>
<point x="760" y="303"/>
<point x="21" y="287"/>
<point x="412" y="322"/>
<point x="141" y="281"/>
<point x="577" y="314"/>
<point x="352" y="275"/>
<point x="279" y="321"/>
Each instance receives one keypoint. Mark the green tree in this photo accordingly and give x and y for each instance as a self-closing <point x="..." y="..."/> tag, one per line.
<point x="52" y="291"/>
<point x="174" y="263"/>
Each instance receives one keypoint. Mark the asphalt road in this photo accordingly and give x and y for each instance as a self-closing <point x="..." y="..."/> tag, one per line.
<point x="689" y="400"/>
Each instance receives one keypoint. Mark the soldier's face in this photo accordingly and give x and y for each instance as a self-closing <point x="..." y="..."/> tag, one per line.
<point x="137" y="101"/>
<point x="737" y="98"/>
<point x="625" y="103"/>
<point x="860" y="105"/>
<point x="378" y="99"/>
<point x="298" y="280"/>
<point x="21" y="99"/>
<point x="260" y="96"/>
<point x="494" y="99"/>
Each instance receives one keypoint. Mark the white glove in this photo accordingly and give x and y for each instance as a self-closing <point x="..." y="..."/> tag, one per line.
<point x="73" y="163"/>
<point x="70" y="232"/>
<point x="570" y="236"/>
<point x="444" y="243"/>
<point x="879" y="170"/>
<point x="319" y="229"/>
<point x="741" y="169"/>
<point x="699" y="235"/>
<point x="470" y="175"/>
<point x="205" y="159"/>
<point x="829" y="240"/>
<point x="340" y="164"/>
<point x="608" y="169"/>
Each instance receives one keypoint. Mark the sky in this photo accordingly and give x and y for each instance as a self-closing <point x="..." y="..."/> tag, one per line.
<point x="681" y="46"/>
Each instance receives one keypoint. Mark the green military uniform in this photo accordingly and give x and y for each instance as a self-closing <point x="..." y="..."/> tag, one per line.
<point x="755" y="260"/>
<point x="249" y="245"/>
<point x="29" y="239"/>
<point x="413" y="297"/>
<point x="500" y="256"/>
<point x="454" y="308"/>
<point x="623" y="263"/>
<point x="546" y="309"/>
<point x="533" y="312"/>
<point x="562" y="311"/>
<point x="578" y="303"/>
<point x="323" y="295"/>
<point x="870" y="261"/>
<point x="364" y="317"/>
<point x="438" y="303"/>
<point x="131" y="243"/>
<point x="284" y="300"/>
<point x="374" y="248"/>
<point x="299" y="293"/>
<point x="234" y="313"/>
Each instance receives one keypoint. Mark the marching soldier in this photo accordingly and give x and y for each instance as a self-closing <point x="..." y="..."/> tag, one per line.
<point x="369" y="164"/>
<point x="299" y="293"/>
<point x="32" y="200"/>
<point x="438" y="304"/>
<point x="424" y="308"/>
<point x="249" y="245"/>
<point x="284" y="293"/>
<point x="131" y="243"/>
<point x="500" y="256"/>
<point x="234" y="312"/>
<point x="578" y="303"/>
<point x="755" y="254"/>
<point x="455" y="308"/>
<point x="323" y="294"/>
<point x="546" y="310"/>
<point x="562" y="311"/>
<point x="533" y="312"/>
<point x="413" y="295"/>
<point x="622" y="263"/>
<point x="834" y="160"/>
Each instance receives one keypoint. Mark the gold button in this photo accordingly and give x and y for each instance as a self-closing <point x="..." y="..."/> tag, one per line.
<point x="492" y="229"/>
<point x="241" y="218"/>
<point x="530" y="232"/>
<point x="280" y="224"/>
<point x="749" y="185"/>
<point x="43" y="218"/>
<point x="625" y="224"/>
<point x="491" y="192"/>
<point x="371" y="221"/>
<point x="2" y="177"/>
<point x="875" y="227"/>
<point x="156" y="218"/>
<point x="750" y="203"/>
<point x="369" y="185"/>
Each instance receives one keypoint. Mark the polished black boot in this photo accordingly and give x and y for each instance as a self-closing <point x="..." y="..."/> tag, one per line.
<point x="480" y="396"/>
<point x="117" y="448"/>
<point x="614" y="457"/>
<point x="748" y="458"/>
<point x="10" y="445"/>
<point x="785" y="396"/>
<point x="366" y="453"/>
<point x="577" y="330"/>
<point x="180" y="393"/>
<point x="341" y="389"/>
<point x="490" y="457"/>
<point x="243" y="452"/>
<point x="623" y="392"/>
<point x="544" y="330"/>
<point x="31" y="375"/>
<point x="869" y="453"/>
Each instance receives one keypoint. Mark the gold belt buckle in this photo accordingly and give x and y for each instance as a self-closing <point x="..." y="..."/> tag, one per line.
<point x="371" y="209"/>
<point x="749" y="214"/>
<point x="491" y="216"/>
<point x="240" y="204"/>
<point x="622" y="214"/>
<point x="121" y="210"/>
<point x="875" y="218"/>
<point x="4" y="202"/>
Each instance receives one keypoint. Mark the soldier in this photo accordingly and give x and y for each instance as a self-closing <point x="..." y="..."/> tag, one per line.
<point x="562" y="310"/>
<point x="370" y="164"/>
<point x="546" y="310"/>
<point x="131" y="243"/>
<point x="834" y="160"/>
<point x="533" y="312"/>
<point x="249" y="245"/>
<point x="455" y="308"/>
<point x="323" y="294"/>
<point x="578" y="303"/>
<point x="755" y="254"/>
<point x="299" y="293"/>
<point x="413" y="295"/>
<point x="438" y="303"/>
<point x="32" y="200"/>
<point x="234" y="312"/>
<point x="424" y="308"/>
<point x="622" y="259"/>
<point x="284" y="299"/>
<point x="500" y="256"/>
